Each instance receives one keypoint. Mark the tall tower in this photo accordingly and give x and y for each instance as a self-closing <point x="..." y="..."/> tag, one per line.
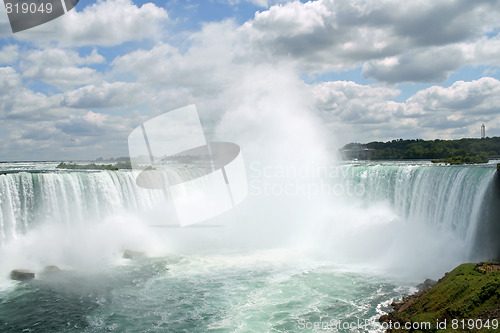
<point x="483" y="131"/>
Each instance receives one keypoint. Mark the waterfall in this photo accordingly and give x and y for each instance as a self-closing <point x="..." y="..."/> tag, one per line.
<point x="460" y="201"/>
<point x="447" y="199"/>
<point x="31" y="199"/>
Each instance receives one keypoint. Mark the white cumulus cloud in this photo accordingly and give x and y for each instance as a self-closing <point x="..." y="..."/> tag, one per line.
<point x="105" y="23"/>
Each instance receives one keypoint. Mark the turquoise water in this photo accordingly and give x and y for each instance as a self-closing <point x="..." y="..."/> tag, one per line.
<point x="195" y="293"/>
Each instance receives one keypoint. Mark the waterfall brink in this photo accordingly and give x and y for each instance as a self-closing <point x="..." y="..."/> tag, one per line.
<point x="457" y="200"/>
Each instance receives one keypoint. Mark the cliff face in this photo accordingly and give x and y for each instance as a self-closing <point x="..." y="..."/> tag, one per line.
<point x="466" y="299"/>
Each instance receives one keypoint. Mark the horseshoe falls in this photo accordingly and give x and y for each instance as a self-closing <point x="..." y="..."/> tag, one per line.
<point x="295" y="258"/>
<point x="450" y="203"/>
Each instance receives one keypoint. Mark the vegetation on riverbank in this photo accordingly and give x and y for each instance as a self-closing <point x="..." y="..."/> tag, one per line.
<point x="93" y="166"/>
<point x="468" y="296"/>
<point x="463" y="159"/>
<point x="442" y="151"/>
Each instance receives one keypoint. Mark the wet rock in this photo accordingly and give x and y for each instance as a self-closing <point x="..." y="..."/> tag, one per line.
<point x="427" y="284"/>
<point x="384" y="318"/>
<point x="50" y="269"/>
<point x="129" y="254"/>
<point x="21" y="275"/>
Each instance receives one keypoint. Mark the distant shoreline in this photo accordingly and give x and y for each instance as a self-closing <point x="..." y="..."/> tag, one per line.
<point x="460" y="151"/>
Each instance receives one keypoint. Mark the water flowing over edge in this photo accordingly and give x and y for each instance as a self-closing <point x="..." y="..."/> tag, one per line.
<point x="447" y="199"/>
<point x="448" y="202"/>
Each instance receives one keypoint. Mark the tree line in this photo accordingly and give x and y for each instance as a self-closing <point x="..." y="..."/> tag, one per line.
<point x="448" y="151"/>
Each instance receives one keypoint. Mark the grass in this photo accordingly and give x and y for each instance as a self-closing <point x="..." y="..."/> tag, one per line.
<point x="470" y="291"/>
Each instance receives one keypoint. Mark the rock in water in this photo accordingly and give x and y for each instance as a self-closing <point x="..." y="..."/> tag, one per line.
<point x="129" y="254"/>
<point x="50" y="269"/>
<point x="21" y="275"/>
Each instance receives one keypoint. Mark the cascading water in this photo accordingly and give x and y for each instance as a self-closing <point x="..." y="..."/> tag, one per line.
<point x="31" y="199"/>
<point x="447" y="199"/>
<point x="77" y="219"/>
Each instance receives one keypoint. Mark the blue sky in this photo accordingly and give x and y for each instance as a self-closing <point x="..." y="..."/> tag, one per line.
<point x="328" y="72"/>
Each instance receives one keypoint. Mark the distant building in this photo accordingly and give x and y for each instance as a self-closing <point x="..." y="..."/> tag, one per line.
<point x="483" y="131"/>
